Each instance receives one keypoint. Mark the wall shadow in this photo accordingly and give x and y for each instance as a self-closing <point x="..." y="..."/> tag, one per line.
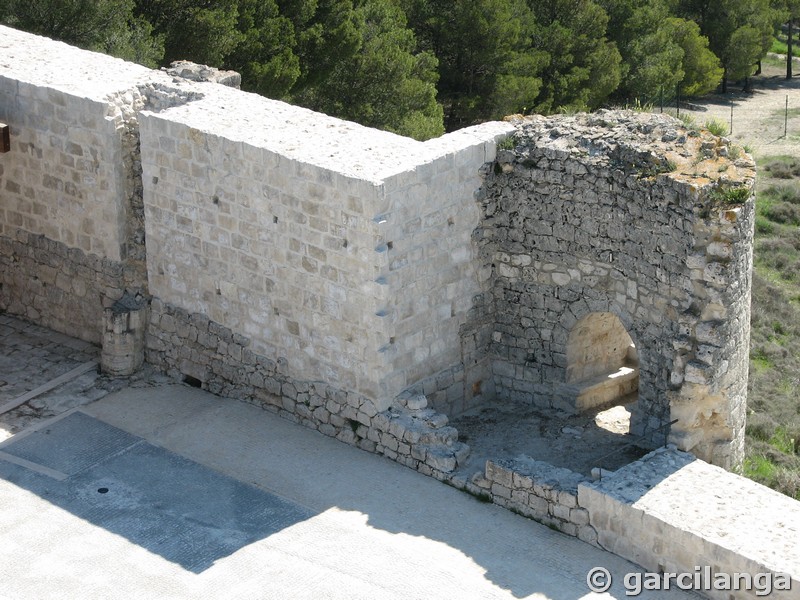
<point x="173" y="507"/>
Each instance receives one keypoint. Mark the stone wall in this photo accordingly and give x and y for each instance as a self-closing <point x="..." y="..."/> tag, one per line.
<point x="56" y="286"/>
<point x="382" y="266"/>
<point x="432" y="273"/>
<point x="633" y="215"/>
<point x="356" y="271"/>
<point x="537" y="490"/>
<point x="201" y="352"/>
<point x="670" y="512"/>
<point x="71" y="219"/>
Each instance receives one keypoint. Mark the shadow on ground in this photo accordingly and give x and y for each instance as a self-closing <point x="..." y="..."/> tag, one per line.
<point x="173" y="507"/>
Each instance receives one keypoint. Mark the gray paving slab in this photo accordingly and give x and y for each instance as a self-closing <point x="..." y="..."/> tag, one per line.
<point x="182" y="511"/>
<point x="205" y="497"/>
<point x="32" y="355"/>
<point x="70" y="444"/>
<point x="38" y="375"/>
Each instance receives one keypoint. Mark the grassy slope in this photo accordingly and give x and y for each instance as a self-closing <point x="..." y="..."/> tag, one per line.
<point x="773" y="429"/>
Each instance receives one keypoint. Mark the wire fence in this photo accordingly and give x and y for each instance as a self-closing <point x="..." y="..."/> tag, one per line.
<point x="765" y="116"/>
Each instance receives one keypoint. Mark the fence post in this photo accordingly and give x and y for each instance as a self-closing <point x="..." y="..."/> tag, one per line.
<point x="731" y="131"/>
<point x="786" y="117"/>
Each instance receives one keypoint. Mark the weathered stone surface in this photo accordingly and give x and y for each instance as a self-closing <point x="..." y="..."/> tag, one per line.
<point x="196" y="72"/>
<point x="669" y="508"/>
<point x="609" y="223"/>
<point x="366" y="284"/>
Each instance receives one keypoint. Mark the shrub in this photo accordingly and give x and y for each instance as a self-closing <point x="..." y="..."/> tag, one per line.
<point x="787" y="481"/>
<point x="764" y="226"/>
<point x="760" y="426"/>
<point x="717" y="127"/>
<point x="508" y="143"/>
<point x="783" y="193"/>
<point x="723" y="194"/>
<point x="783" y="212"/>
<point x="783" y="169"/>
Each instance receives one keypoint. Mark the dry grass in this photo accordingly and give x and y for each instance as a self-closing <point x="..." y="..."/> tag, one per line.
<point x="773" y="428"/>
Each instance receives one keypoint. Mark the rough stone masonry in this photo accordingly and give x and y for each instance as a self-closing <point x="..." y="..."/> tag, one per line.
<point x="365" y="284"/>
<point x="368" y="285"/>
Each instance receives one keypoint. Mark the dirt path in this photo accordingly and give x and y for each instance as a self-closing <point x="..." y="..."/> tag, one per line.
<point x="758" y="117"/>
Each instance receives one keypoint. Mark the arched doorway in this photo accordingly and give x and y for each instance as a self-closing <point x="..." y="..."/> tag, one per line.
<point x="602" y="362"/>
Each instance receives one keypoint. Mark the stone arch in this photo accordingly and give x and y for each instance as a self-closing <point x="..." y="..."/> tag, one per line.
<point x="602" y="361"/>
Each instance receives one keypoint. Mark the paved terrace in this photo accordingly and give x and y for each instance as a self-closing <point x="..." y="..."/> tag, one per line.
<point x="160" y="490"/>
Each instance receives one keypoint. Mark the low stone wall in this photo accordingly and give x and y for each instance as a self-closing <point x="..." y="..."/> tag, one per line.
<point x="201" y="352"/>
<point x="537" y="490"/>
<point x="671" y="512"/>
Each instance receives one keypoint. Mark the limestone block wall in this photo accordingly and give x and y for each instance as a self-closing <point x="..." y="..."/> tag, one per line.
<point x="341" y="250"/>
<point x="432" y="273"/>
<point x="278" y="250"/>
<point x="67" y="183"/>
<point x="633" y="215"/>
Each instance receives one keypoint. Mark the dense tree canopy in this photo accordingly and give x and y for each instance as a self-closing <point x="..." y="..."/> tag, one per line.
<point x="739" y="31"/>
<point x="386" y="83"/>
<point x="486" y="64"/>
<point x="419" y="67"/>
<point x="660" y="51"/>
<point x="583" y="66"/>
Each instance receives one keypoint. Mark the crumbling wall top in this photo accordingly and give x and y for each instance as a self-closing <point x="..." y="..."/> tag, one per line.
<point x="638" y="143"/>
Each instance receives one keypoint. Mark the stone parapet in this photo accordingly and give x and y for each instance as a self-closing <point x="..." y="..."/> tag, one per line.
<point x="671" y="512"/>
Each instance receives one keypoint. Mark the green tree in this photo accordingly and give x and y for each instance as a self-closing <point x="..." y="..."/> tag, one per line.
<point x="660" y="51"/>
<point x="136" y="43"/>
<point x="103" y="25"/>
<point x="789" y="13"/>
<point x="203" y="31"/>
<point x="739" y="31"/>
<point x="584" y="68"/>
<point x="265" y="55"/>
<point x="327" y="32"/>
<point x="487" y="68"/>
<point x="386" y="84"/>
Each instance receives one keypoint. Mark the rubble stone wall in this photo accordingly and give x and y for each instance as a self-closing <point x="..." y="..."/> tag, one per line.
<point x="634" y="215"/>
<point x="56" y="286"/>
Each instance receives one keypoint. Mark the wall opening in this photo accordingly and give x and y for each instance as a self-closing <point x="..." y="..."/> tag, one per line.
<point x="602" y="363"/>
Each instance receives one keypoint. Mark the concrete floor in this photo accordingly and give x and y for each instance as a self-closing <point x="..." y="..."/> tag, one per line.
<point x="164" y="491"/>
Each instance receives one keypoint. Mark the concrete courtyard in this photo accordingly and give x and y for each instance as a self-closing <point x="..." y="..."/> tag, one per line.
<point x="159" y="490"/>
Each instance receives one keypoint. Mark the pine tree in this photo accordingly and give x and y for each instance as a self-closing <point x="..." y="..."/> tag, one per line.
<point x="583" y="67"/>
<point x="387" y="83"/>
